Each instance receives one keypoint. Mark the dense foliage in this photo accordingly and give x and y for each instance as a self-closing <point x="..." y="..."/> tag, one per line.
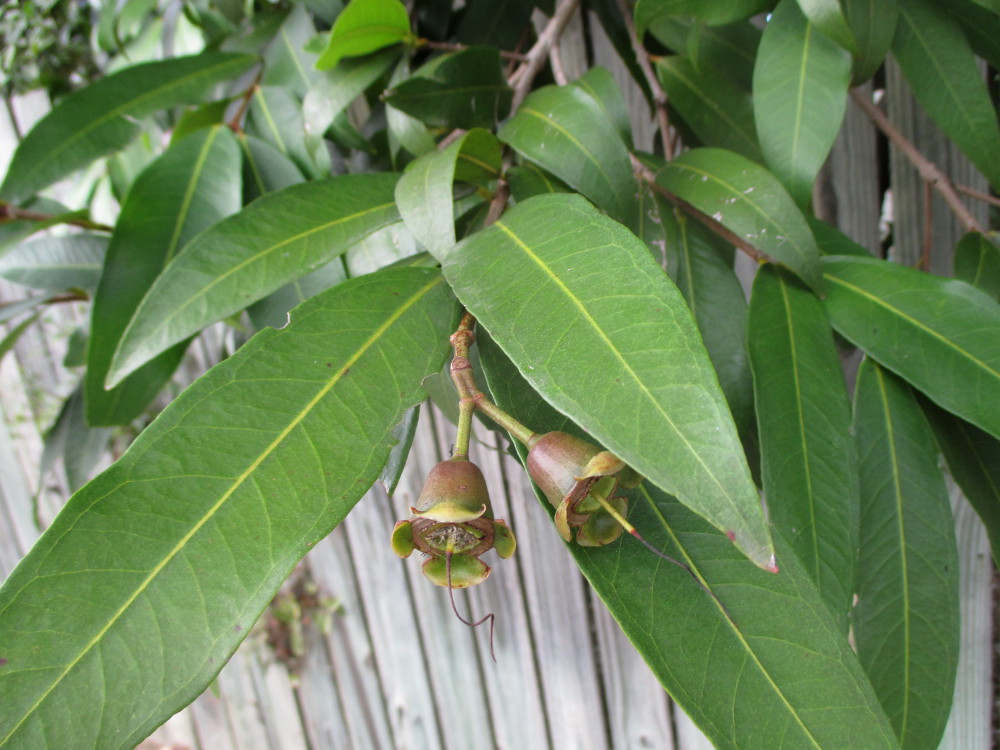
<point x="346" y="180"/>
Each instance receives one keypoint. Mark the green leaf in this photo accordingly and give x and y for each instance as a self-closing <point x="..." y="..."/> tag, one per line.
<point x="278" y="238"/>
<point x="873" y="25"/>
<point x="79" y="446"/>
<point x="424" y="192"/>
<point x="275" y="116"/>
<point x="191" y="186"/>
<point x="365" y="26"/>
<point x="529" y="179"/>
<point x="265" y="169"/>
<point x="981" y="28"/>
<point x="746" y="199"/>
<point x="71" y="261"/>
<point x="404" y="131"/>
<point x="977" y="262"/>
<point x="739" y="676"/>
<point x="332" y="92"/>
<point x="601" y="85"/>
<point x="941" y="68"/>
<point x="567" y="132"/>
<point x="973" y="459"/>
<point x="714" y="13"/>
<point x="906" y="622"/>
<point x="809" y="465"/>
<point x="712" y="105"/>
<point x="800" y="86"/>
<point x="208" y="511"/>
<point x="464" y="89"/>
<point x="730" y="50"/>
<point x="286" y="62"/>
<point x="828" y="18"/>
<point x="717" y="301"/>
<point x="593" y="323"/>
<point x="103" y="117"/>
<point x="832" y="241"/>
<point x="936" y="333"/>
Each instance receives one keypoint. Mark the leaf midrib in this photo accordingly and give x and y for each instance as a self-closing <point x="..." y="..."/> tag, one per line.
<point x="618" y="355"/>
<point x="121" y="110"/>
<point x="237" y="483"/>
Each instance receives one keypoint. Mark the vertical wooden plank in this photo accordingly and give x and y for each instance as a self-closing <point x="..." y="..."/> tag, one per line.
<point x="208" y="717"/>
<point x="969" y="725"/>
<point x="908" y="190"/>
<point x="638" y="707"/>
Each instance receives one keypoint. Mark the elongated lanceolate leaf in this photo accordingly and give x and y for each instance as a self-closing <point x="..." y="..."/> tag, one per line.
<point x="713" y="13"/>
<point x="828" y="18"/>
<point x="207" y="512"/>
<point x="424" y="192"/>
<point x="799" y="97"/>
<point x="193" y="185"/>
<point x="102" y="117"/>
<point x="365" y="26"/>
<point x="748" y="200"/>
<point x="276" y="239"/>
<point x="936" y="333"/>
<point x="712" y="105"/>
<point x="601" y="85"/>
<point x="873" y="25"/>
<point x="565" y="131"/>
<point x="67" y="262"/>
<point x="973" y="458"/>
<point x="977" y="262"/>
<point x="595" y="325"/>
<point x="941" y="69"/>
<point x="809" y="465"/>
<point x="738" y="676"/>
<point x="906" y="620"/>
<point x="464" y="89"/>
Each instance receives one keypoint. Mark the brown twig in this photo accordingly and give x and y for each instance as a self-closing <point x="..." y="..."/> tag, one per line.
<point x="927" y="169"/>
<point x="9" y="213"/>
<point x="235" y="122"/>
<point x="978" y="195"/>
<point x="539" y="52"/>
<point x="646" y="175"/>
<point x="456" y="47"/>
<point x="925" y="256"/>
<point x="659" y="95"/>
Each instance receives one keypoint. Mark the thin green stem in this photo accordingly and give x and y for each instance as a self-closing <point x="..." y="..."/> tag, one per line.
<point x="517" y="430"/>
<point x="465" y="409"/>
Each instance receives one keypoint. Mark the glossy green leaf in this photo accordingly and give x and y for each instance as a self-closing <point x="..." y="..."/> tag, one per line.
<point x="831" y="241"/>
<point x="332" y="92"/>
<point x="365" y="26"/>
<point x="286" y="62"/>
<point x="103" y="117"/>
<point x="730" y="49"/>
<point x="71" y="261"/>
<point x="73" y="442"/>
<point x="193" y="185"/>
<point x="936" y="333"/>
<point x="981" y="28"/>
<point x="746" y="199"/>
<point x="265" y="169"/>
<point x="973" y="459"/>
<point x="565" y="131"/>
<point x="715" y="296"/>
<point x="828" y="18"/>
<point x="403" y="131"/>
<point x="207" y="513"/>
<point x="278" y="238"/>
<point x="906" y="619"/>
<point x="275" y="116"/>
<point x="424" y="192"/>
<point x="873" y="25"/>
<point x="529" y="179"/>
<point x="712" y="105"/>
<point x="714" y="13"/>
<point x="941" y="69"/>
<point x="809" y="464"/>
<point x="739" y="679"/>
<point x="800" y="86"/>
<point x="977" y="262"/>
<point x="602" y="87"/>
<point x="594" y="324"/>
<point x="464" y="89"/>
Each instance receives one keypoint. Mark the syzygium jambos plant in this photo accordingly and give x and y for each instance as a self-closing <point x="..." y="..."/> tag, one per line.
<point x="353" y="180"/>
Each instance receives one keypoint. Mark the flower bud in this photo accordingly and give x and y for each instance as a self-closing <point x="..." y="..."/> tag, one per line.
<point x="453" y="518"/>
<point x="572" y="473"/>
